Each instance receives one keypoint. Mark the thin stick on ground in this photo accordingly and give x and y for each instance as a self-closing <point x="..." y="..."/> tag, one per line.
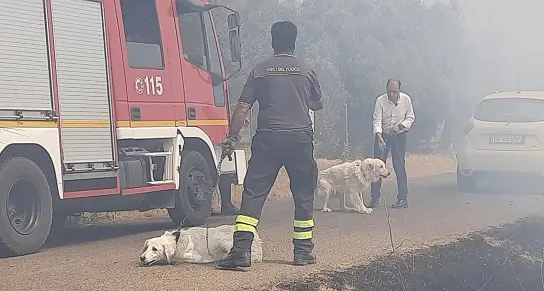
<point x="389" y="226"/>
<point x="485" y="284"/>
<point x="516" y="274"/>
<point x="542" y="270"/>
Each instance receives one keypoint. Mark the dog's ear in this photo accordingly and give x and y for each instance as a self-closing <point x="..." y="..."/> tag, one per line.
<point x="145" y="246"/>
<point x="169" y="251"/>
<point x="370" y="167"/>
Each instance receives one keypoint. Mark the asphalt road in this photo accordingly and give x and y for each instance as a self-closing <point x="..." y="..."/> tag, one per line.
<point x="106" y="257"/>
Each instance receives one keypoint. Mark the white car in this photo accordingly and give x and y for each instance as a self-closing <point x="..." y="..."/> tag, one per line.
<point x="505" y="135"/>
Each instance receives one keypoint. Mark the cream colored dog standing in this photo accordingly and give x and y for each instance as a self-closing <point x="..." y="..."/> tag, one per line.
<point x="189" y="246"/>
<point x="349" y="180"/>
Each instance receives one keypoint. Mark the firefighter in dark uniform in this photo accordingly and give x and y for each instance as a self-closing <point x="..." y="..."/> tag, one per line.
<point x="286" y="89"/>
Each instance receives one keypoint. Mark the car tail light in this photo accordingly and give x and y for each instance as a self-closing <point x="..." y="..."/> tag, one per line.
<point x="468" y="127"/>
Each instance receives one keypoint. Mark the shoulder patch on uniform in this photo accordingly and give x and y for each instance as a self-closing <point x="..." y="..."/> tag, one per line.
<point x="282" y="69"/>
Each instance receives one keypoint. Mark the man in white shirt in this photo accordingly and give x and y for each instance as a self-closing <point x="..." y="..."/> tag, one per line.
<point x="393" y="117"/>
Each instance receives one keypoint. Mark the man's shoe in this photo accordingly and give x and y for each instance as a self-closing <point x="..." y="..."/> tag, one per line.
<point x="401" y="203"/>
<point x="303" y="259"/>
<point x="374" y="203"/>
<point x="229" y="209"/>
<point x="235" y="260"/>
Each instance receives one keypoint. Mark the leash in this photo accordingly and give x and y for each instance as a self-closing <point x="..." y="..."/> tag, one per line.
<point x="387" y="215"/>
<point x="214" y="192"/>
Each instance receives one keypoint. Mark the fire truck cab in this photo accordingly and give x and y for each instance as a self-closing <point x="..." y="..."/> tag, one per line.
<point x="109" y="105"/>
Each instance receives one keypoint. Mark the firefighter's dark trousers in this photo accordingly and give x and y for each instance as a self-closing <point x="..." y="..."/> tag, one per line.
<point x="269" y="152"/>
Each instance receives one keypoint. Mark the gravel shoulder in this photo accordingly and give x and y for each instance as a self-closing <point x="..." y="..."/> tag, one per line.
<point x="106" y="257"/>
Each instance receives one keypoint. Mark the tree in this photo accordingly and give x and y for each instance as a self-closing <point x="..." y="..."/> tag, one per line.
<point x="355" y="46"/>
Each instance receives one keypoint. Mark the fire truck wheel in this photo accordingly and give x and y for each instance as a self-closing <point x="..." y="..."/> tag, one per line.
<point x="26" y="207"/>
<point x="58" y="221"/>
<point x="193" y="202"/>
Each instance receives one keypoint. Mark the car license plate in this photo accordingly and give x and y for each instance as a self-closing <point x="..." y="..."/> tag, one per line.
<point x="507" y="139"/>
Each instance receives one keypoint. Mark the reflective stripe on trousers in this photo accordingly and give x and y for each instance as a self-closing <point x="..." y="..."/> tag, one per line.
<point x="303" y="229"/>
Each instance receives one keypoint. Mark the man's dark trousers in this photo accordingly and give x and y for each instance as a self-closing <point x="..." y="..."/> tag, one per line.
<point x="269" y="152"/>
<point x="396" y="144"/>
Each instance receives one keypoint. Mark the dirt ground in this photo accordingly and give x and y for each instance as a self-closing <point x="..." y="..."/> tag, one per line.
<point x="506" y="258"/>
<point x="416" y="166"/>
<point x="105" y="256"/>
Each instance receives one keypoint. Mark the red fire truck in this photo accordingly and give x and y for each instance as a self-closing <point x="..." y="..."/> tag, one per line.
<point x="109" y="105"/>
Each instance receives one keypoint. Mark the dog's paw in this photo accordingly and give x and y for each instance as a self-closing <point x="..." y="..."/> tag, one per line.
<point x="367" y="211"/>
<point x="326" y="209"/>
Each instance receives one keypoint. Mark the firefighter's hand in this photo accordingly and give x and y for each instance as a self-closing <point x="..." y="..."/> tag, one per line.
<point x="228" y="147"/>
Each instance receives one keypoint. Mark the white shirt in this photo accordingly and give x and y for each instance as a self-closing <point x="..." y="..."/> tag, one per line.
<point x="387" y="114"/>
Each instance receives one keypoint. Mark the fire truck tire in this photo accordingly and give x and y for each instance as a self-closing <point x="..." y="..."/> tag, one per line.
<point x="193" y="206"/>
<point x="58" y="221"/>
<point x="26" y="207"/>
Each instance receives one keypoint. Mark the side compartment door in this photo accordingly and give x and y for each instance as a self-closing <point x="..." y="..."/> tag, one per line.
<point x="205" y="104"/>
<point x="83" y="84"/>
<point x="150" y="96"/>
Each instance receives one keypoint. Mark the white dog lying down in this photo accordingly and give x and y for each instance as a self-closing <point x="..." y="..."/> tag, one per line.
<point x="349" y="180"/>
<point x="190" y="246"/>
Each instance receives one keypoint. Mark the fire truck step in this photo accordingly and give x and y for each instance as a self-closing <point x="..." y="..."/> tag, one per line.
<point x="161" y="182"/>
<point x="159" y="154"/>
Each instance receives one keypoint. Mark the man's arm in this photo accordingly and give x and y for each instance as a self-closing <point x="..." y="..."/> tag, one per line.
<point x="377" y="118"/>
<point x="245" y="102"/>
<point x="410" y="116"/>
<point x="316" y="101"/>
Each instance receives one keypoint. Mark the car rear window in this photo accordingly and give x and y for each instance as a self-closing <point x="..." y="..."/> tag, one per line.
<point x="510" y="110"/>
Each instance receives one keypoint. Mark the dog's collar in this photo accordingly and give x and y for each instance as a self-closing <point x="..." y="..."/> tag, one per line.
<point x="177" y="233"/>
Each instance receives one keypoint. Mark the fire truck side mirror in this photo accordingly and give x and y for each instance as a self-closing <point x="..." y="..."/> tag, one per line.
<point x="235" y="46"/>
<point x="233" y="20"/>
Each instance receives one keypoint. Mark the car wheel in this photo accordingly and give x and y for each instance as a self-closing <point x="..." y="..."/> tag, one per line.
<point x="26" y="207"/>
<point x="465" y="183"/>
<point x="193" y="200"/>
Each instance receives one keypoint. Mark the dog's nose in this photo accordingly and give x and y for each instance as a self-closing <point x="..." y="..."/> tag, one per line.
<point x="142" y="258"/>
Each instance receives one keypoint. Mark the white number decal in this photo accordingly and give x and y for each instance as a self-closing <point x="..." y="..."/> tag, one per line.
<point x="153" y="85"/>
<point x="158" y="84"/>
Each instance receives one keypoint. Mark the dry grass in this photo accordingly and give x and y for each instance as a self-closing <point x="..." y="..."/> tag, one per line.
<point x="416" y="166"/>
<point x="508" y="257"/>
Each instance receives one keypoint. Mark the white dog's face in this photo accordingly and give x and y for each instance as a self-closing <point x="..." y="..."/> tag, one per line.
<point x="159" y="250"/>
<point x="376" y="168"/>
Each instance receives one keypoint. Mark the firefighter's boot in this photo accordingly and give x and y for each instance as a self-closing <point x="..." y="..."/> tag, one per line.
<point x="303" y="252"/>
<point x="240" y="253"/>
